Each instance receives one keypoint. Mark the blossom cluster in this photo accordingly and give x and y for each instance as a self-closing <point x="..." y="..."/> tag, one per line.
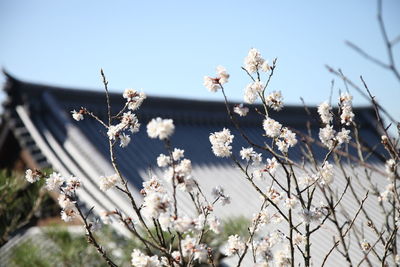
<point x="218" y="193"/>
<point x="160" y="128"/>
<point x="255" y="62"/>
<point x="249" y="154"/>
<point x="107" y="182"/>
<point x="158" y="205"/>
<point x="284" y="137"/>
<point x="66" y="188"/>
<point x="127" y="121"/>
<point x="213" y="84"/>
<point x="241" y="110"/>
<point x="134" y="99"/>
<point x="345" y="104"/>
<point x="221" y="143"/>
<point x="177" y="168"/>
<point x="328" y="136"/>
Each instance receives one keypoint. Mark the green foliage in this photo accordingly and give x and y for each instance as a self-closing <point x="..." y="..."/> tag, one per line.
<point x="27" y="254"/>
<point x="19" y="201"/>
<point x="56" y="246"/>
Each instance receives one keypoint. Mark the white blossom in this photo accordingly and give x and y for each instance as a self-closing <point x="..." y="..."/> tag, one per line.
<point x="188" y="245"/>
<point x="107" y="182"/>
<point x="166" y="221"/>
<point x="390" y="168"/>
<point x="218" y="192"/>
<point x="365" y="245"/>
<point x="134" y="99"/>
<point x="282" y="146"/>
<point x="183" y="224"/>
<point x="388" y="194"/>
<point x="130" y="120"/>
<point x="184" y="167"/>
<point x="246" y="153"/>
<point x="222" y="74"/>
<point x="265" y="66"/>
<point x="78" y="116"/>
<point x="275" y="100"/>
<point x="124" y="140"/>
<point x="199" y="222"/>
<point x="187" y="184"/>
<point x="275" y="237"/>
<point x="272" y="165"/>
<point x="214" y="223"/>
<point x="253" y="61"/>
<point x="264" y="217"/>
<point x="263" y="253"/>
<point x="177" y="154"/>
<point x="291" y="202"/>
<point x="169" y="174"/>
<point x="249" y="154"/>
<point x="259" y="174"/>
<point x="72" y="183"/>
<point x="211" y="84"/>
<point x="31" y="176"/>
<point x="250" y="96"/>
<point x="201" y="253"/>
<point x="252" y="91"/>
<point x="327" y="136"/>
<point x="155" y="203"/>
<point x="343" y="136"/>
<point x="225" y="200"/>
<point x="272" y="127"/>
<point x="235" y="246"/>
<point x="324" y="111"/>
<point x="163" y="160"/>
<point x="306" y="180"/>
<point x="220" y="143"/>
<point x="54" y="181"/>
<point x="65" y="202"/>
<point x="276" y="218"/>
<point x="326" y="174"/>
<point x="282" y="258"/>
<point x="160" y="128"/>
<point x="139" y="259"/>
<point x="68" y="214"/>
<point x="114" y="130"/>
<point x="129" y="94"/>
<point x="152" y="185"/>
<point x="288" y="139"/>
<point x="309" y="215"/>
<point x="298" y="239"/>
<point x="274" y="195"/>
<point x="347" y="114"/>
<point x="241" y="110"/>
<point x="176" y="255"/>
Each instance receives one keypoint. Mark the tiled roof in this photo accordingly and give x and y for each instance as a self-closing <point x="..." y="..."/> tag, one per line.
<point x="39" y="117"/>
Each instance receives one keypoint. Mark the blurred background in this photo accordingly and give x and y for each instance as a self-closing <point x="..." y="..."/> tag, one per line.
<point x="166" y="47"/>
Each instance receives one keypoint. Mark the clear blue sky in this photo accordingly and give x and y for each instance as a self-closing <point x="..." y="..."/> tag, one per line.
<point x="166" y="47"/>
